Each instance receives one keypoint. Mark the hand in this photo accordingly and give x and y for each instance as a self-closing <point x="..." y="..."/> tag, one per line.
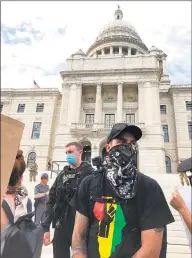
<point x="47" y="193"/>
<point x="177" y="201"/>
<point x="47" y="238"/>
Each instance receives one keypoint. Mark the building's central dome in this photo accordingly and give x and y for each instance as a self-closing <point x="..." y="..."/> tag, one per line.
<point x="118" y="33"/>
<point x="118" y="27"/>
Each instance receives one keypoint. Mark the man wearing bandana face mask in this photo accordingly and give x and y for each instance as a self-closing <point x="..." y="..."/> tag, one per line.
<point x="59" y="210"/>
<point x="121" y="213"/>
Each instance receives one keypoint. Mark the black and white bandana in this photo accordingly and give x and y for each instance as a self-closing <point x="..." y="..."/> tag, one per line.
<point x="121" y="170"/>
<point x="19" y="194"/>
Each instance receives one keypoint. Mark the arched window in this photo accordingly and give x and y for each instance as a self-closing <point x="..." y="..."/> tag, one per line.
<point x="168" y="164"/>
<point x="31" y="158"/>
<point x="86" y="156"/>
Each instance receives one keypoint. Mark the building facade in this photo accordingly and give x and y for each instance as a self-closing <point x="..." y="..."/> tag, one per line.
<point x="118" y="80"/>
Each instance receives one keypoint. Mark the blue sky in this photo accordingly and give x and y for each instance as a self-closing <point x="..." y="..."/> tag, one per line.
<point x="38" y="37"/>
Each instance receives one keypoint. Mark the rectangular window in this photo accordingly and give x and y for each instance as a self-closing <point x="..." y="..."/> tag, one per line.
<point x="21" y="108"/>
<point x="190" y="129"/>
<point x="188" y="105"/>
<point x="1" y="108"/>
<point x="109" y="120"/>
<point x="130" y="118"/>
<point x="163" y="109"/>
<point x="40" y="107"/>
<point x="36" y="130"/>
<point x="89" y="120"/>
<point x="166" y="133"/>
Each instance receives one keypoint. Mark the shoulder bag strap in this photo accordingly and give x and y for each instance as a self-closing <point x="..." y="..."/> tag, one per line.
<point x="8" y="211"/>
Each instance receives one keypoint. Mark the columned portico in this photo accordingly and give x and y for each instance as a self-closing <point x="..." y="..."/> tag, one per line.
<point x="119" y="102"/>
<point x="98" y="104"/>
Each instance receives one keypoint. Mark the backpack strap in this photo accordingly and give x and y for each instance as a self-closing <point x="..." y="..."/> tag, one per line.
<point x="96" y="186"/>
<point x="8" y="211"/>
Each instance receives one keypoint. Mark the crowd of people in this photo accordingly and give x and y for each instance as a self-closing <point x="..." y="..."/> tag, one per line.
<point x="113" y="211"/>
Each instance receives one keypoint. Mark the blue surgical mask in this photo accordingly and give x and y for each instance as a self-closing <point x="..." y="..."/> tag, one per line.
<point x="71" y="159"/>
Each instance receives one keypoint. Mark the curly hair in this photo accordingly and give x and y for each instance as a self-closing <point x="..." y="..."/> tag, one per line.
<point x="18" y="169"/>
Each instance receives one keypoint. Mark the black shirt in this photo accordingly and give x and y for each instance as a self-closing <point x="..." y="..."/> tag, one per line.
<point x="121" y="238"/>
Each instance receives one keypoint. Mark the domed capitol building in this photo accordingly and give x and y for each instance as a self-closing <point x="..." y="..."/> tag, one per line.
<point x="118" y="79"/>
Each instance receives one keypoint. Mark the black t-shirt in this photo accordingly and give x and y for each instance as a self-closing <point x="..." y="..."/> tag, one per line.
<point x="120" y="237"/>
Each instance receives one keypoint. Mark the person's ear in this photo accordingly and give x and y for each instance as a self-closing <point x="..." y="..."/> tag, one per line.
<point x="107" y="147"/>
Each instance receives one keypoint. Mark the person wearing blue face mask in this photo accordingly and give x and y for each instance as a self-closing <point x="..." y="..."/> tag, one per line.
<point x="60" y="210"/>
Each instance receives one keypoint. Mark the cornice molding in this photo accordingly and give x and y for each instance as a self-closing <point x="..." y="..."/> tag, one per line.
<point x="153" y="83"/>
<point x="21" y="92"/>
<point x="134" y="71"/>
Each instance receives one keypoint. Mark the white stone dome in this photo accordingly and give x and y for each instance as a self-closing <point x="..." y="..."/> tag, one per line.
<point x="115" y="31"/>
<point x="118" y="27"/>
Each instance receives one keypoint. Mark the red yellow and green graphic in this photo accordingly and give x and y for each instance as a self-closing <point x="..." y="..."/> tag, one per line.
<point x="110" y="230"/>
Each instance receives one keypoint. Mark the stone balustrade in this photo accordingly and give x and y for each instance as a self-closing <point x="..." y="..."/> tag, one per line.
<point x="97" y="127"/>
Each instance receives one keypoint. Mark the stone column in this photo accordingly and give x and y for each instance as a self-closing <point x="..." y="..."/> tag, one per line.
<point x="141" y="102"/>
<point x="102" y="52"/>
<point x="98" y="104"/>
<point x="64" y="103"/>
<point x="149" y="107"/>
<point x="120" y="102"/>
<point x="78" y="102"/>
<point x="95" y="151"/>
<point x="120" y="50"/>
<point x="111" y="50"/>
<point x="129" y="51"/>
<point x="164" y="66"/>
<point x="151" y="145"/>
<point x="72" y="104"/>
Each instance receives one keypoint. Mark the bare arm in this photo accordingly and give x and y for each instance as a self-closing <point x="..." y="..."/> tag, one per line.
<point x="178" y="204"/>
<point x="79" y="238"/>
<point x="151" y="243"/>
<point x="186" y="214"/>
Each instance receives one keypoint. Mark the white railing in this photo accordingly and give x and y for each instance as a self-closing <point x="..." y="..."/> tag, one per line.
<point x="98" y="126"/>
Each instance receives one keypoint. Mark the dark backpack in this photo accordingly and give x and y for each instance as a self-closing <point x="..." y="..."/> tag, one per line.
<point x="23" y="238"/>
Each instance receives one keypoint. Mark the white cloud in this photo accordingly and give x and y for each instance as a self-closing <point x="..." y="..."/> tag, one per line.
<point x="164" y="24"/>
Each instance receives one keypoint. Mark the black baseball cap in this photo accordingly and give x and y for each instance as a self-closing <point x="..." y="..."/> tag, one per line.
<point x="124" y="127"/>
<point x="185" y="165"/>
<point x="44" y="175"/>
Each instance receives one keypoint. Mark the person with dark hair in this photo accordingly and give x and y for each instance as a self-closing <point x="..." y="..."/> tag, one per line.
<point x="120" y="211"/>
<point x="41" y="197"/>
<point x="16" y="196"/>
<point x="59" y="210"/>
